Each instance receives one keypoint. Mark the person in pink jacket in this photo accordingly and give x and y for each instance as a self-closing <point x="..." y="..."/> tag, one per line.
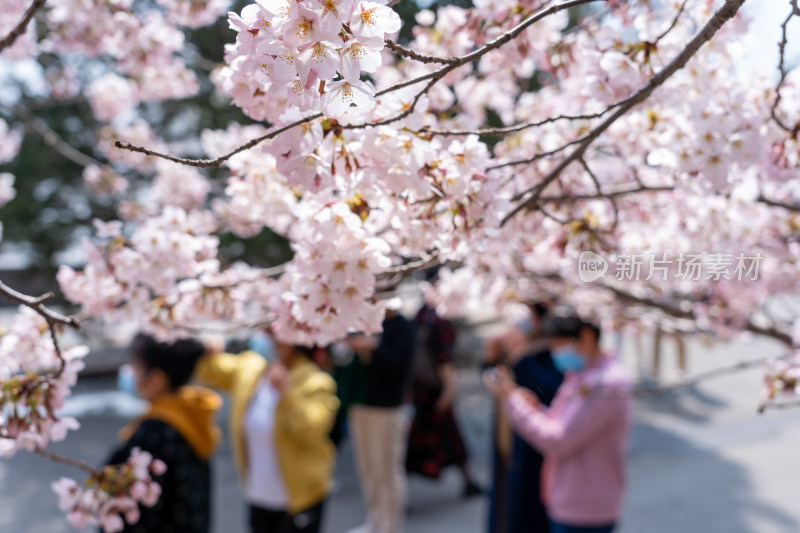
<point x="582" y="435"/>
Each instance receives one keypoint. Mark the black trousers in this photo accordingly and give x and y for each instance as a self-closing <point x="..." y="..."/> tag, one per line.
<point x="279" y="521"/>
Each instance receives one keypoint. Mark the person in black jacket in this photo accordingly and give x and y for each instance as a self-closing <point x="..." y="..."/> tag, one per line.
<point x="526" y="512"/>
<point x="379" y="427"/>
<point x="177" y="428"/>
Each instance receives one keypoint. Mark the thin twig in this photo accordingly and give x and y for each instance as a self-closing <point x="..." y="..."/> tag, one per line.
<point x="401" y="115"/>
<point x="675" y="310"/>
<point x="611" y="199"/>
<point x="37" y="304"/>
<point x="267" y="273"/>
<point x="540" y="155"/>
<point x="674" y="23"/>
<point x="795" y="11"/>
<point x="422" y="263"/>
<point x="726" y="12"/>
<point x="52" y="139"/>
<point x="52" y="318"/>
<point x="20" y="28"/>
<point x="601" y="195"/>
<point x="775" y="203"/>
<point x="416" y="56"/>
<point x="792" y="404"/>
<point x="702" y="376"/>
<point x="509" y="130"/>
<point x="64" y="460"/>
<point x="205" y="163"/>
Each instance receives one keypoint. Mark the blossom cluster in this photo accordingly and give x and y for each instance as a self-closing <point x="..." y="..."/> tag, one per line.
<point x="782" y="379"/>
<point x="111" y="497"/>
<point x="143" y="270"/>
<point x="379" y="181"/>
<point x="309" y="54"/>
<point x="10" y="140"/>
<point x="33" y="384"/>
<point x="328" y="289"/>
<point x="143" y="46"/>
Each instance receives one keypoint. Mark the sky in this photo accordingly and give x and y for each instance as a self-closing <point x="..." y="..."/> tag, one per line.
<point x="765" y="31"/>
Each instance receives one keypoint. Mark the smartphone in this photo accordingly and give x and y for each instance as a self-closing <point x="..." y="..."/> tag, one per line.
<point x="493" y="374"/>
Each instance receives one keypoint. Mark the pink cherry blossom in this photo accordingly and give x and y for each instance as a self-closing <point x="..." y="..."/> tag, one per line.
<point x="360" y="57"/>
<point x="7" y="191"/>
<point x="370" y="19"/>
<point x="340" y="95"/>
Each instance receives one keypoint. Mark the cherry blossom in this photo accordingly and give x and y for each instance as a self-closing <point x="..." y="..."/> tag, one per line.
<point x="7" y="192"/>
<point x="371" y="19"/>
<point x="10" y="140"/>
<point x="110" y="497"/>
<point x="33" y="375"/>
<point x="342" y="94"/>
<point x="505" y="165"/>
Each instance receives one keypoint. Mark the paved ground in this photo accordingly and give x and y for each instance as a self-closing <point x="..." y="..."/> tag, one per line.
<point x="700" y="460"/>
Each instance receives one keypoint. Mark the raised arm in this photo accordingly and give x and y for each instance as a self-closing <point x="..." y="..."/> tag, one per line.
<point x="569" y="433"/>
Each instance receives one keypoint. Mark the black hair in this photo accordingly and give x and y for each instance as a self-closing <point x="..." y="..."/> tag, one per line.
<point x="595" y="329"/>
<point x="307" y="351"/>
<point x="540" y="309"/>
<point x="177" y="360"/>
<point x="569" y="327"/>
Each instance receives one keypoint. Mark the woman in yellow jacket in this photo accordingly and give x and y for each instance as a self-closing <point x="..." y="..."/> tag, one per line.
<point x="281" y="415"/>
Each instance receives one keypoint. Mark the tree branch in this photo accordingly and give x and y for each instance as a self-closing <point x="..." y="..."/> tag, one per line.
<point x="774" y="203"/>
<point x="20" y="28"/>
<point x="52" y="139"/>
<point x="52" y="318"/>
<point x="677" y="312"/>
<point x="509" y="130"/>
<point x="791" y="404"/>
<point x="64" y="460"/>
<point x="674" y="23"/>
<point x="267" y="273"/>
<point x="416" y="56"/>
<point x="37" y="304"/>
<point x="205" y="163"/>
<point x="399" y="116"/>
<point x="725" y="13"/>
<point x="702" y="376"/>
<point x="427" y="260"/>
<point x="601" y="195"/>
<point x="596" y="182"/>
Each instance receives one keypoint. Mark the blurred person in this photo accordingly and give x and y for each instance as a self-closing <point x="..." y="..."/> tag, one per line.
<point x="282" y="412"/>
<point x="379" y="427"/>
<point x="351" y="385"/>
<point x="177" y="428"/>
<point x="583" y="435"/>
<point x="435" y="441"/>
<point x="534" y="371"/>
<point x="506" y="349"/>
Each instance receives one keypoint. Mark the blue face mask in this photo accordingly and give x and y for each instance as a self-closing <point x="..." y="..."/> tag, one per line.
<point x="262" y="344"/>
<point x="126" y="379"/>
<point x="567" y="359"/>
